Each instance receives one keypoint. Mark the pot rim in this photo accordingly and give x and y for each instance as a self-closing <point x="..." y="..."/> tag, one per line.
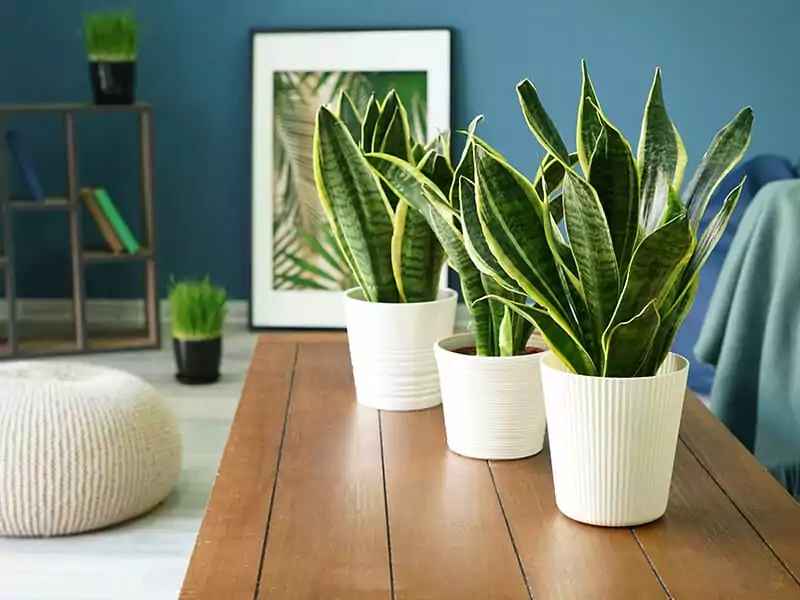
<point x="196" y="340"/>
<point x="468" y="336"/>
<point x="549" y="356"/>
<point x="445" y="295"/>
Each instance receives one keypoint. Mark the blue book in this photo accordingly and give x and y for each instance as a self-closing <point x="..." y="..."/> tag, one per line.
<point x="21" y="158"/>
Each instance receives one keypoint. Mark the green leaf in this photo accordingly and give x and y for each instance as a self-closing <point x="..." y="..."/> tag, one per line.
<point x="511" y="219"/>
<point x="371" y="115"/>
<point x="391" y="132"/>
<point x="560" y="341"/>
<point x="550" y="175"/>
<point x="506" y="333"/>
<point x="417" y="256"/>
<point x="539" y="121"/>
<point x="727" y="148"/>
<point x="668" y="328"/>
<point x="711" y="236"/>
<point x="614" y="177"/>
<point x="474" y="240"/>
<point x="556" y="206"/>
<point x="356" y="207"/>
<point x="656" y="262"/>
<point x="410" y="183"/>
<point x="661" y="153"/>
<point x="348" y="114"/>
<point x="591" y="244"/>
<point x="626" y="344"/>
<point x="675" y="206"/>
<point x="523" y="330"/>
<point x="438" y="170"/>
<point x="590" y="122"/>
<point x="417" y="152"/>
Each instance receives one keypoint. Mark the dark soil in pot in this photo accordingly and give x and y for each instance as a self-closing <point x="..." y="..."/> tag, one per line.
<point x="470" y="350"/>
<point x="113" y="82"/>
<point x="198" y="361"/>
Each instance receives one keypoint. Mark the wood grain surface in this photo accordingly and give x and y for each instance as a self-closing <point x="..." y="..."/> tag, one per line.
<point x="372" y="505"/>
<point x="563" y="558"/>
<point x="757" y="495"/>
<point x="227" y="555"/>
<point x="327" y="535"/>
<point x="449" y="537"/>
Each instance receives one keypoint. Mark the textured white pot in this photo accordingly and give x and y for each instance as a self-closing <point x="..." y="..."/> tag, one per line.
<point x="613" y="440"/>
<point x="391" y="349"/>
<point x="493" y="406"/>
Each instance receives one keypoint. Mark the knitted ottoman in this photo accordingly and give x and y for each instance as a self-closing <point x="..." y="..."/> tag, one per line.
<point x="81" y="447"/>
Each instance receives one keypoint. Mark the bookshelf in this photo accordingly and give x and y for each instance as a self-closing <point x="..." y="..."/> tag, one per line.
<point x="78" y="336"/>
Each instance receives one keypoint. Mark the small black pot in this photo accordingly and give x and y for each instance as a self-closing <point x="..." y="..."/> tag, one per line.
<point x="197" y="360"/>
<point x="113" y="82"/>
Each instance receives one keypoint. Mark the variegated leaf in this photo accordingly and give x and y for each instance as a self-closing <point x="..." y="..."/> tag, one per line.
<point x="626" y="344"/>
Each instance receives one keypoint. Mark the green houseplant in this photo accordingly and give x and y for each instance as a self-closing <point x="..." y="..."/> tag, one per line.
<point x="398" y="309"/>
<point x="111" y="46"/>
<point x="198" y="310"/>
<point x="610" y="291"/>
<point x="482" y="419"/>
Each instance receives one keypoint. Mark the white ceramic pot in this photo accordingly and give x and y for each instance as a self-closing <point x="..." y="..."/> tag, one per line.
<point x="613" y="440"/>
<point x="493" y="406"/>
<point x="391" y="349"/>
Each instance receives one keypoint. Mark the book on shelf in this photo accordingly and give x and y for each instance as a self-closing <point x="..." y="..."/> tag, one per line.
<point x="116" y="221"/>
<point x="24" y="163"/>
<point x="103" y="224"/>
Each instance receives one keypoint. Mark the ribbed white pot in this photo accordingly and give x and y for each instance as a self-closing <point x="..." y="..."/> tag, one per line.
<point x="613" y="440"/>
<point x="493" y="406"/>
<point x="391" y="349"/>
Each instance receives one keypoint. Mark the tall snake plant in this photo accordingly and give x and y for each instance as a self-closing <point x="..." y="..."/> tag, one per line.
<point x="611" y="295"/>
<point x="611" y="290"/>
<point x="499" y="330"/>
<point x="393" y="253"/>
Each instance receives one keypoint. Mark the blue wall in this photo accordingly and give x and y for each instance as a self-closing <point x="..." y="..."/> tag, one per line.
<point x="195" y="69"/>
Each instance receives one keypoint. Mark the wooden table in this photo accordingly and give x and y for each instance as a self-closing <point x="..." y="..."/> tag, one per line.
<point x="319" y="498"/>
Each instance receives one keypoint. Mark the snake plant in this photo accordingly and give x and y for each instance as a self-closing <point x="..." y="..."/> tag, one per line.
<point x="612" y="290"/>
<point x="449" y="211"/>
<point x="393" y="253"/>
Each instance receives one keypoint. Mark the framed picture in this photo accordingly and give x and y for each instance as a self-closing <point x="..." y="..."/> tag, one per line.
<point x="298" y="272"/>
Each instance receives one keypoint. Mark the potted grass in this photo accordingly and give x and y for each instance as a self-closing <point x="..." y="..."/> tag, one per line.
<point x="111" y="45"/>
<point x="198" y="313"/>
<point x="611" y="293"/>
<point x="490" y="377"/>
<point x="398" y="310"/>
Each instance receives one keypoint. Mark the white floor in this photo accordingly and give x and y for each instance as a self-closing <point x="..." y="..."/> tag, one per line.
<point x="144" y="559"/>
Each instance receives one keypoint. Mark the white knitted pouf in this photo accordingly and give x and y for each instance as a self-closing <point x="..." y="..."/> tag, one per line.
<point x="81" y="447"/>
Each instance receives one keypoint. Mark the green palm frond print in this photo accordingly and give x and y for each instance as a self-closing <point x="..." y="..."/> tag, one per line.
<point x="306" y="255"/>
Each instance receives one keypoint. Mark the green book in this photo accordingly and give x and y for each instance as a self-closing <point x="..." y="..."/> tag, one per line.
<point x="113" y="216"/>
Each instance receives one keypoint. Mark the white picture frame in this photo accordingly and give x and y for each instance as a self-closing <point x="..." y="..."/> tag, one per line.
<point x="279" y="56"/>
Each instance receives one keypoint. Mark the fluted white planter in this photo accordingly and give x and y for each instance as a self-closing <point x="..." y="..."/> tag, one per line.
<point x="391" y="349"/>
<point x="493" y="406"/>
<point x="613" y="440"/>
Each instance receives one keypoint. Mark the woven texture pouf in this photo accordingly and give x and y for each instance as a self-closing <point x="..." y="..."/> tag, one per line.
<point x="81" y="447"/>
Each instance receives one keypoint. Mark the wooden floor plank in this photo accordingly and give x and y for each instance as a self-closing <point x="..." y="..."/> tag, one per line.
<point x="225" y="561"/>
<point x="702" y="548"/>
<point x="448" y="534"/>
<point x="327" y="535"/>
<point x="762" y="500"/>
<point x="563" y="559"/>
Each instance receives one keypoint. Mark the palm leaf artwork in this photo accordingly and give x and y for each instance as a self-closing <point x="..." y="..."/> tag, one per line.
<point x="610" y="294"/>
<point x="306" y="254"/>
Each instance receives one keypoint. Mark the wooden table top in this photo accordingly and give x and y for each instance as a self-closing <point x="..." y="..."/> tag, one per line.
<point x="320" y="498"/>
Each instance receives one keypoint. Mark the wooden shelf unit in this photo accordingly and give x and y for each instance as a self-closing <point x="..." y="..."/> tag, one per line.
<point x="83" y="341"/>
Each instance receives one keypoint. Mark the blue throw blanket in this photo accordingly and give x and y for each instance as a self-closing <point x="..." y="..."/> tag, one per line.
<point x="752" y="332"/>
<point x="760" y="171"/>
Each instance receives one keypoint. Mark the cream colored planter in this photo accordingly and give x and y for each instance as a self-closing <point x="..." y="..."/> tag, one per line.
<point x="493" y="406"/>
<point x="391" y="349"/>
<point x="612" y="441"/>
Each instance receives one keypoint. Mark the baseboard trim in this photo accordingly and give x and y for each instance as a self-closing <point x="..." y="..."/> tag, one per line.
<point x="131" y="313"/>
